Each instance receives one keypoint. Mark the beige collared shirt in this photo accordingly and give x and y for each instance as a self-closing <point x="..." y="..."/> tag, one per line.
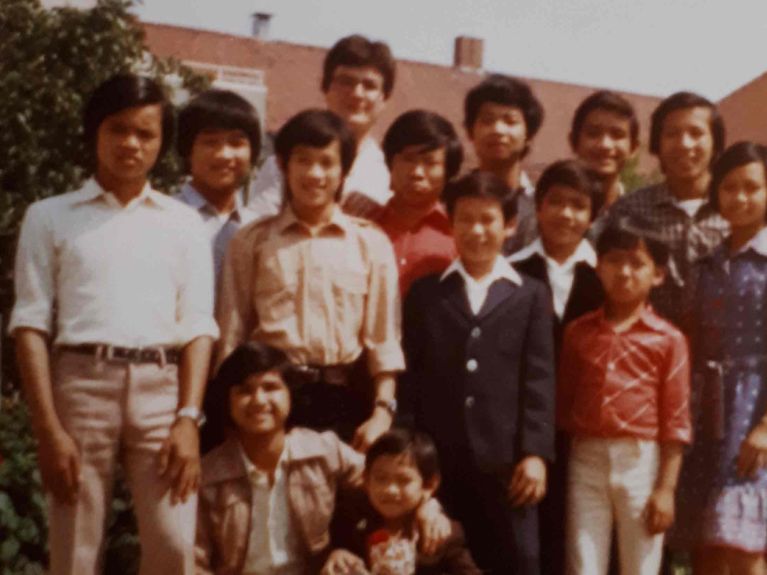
<point x="323" y="296"/>
<point x="476" y="289"/>
<point x="90" y="270"/>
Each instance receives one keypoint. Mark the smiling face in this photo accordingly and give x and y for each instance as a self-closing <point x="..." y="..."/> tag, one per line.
<point x="742" y="197"/>
<point x="686" y="144"/>
<point x="479" y="231"/>
<point x="261" y="404"/>
<point x="314" y="177"/>
<point x="356" y="94"/>
<point x="604" y="142"/>
<point x="395" y="486"/>
<point x="219" y="161"/>
<point x="564" y="215"/>
<point x="128" y="144"/>
<point x="499" y="134"/>
<point x="418" y="176"/>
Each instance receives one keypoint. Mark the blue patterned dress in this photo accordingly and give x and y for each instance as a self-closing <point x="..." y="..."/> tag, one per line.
<point x="729" y="352"/>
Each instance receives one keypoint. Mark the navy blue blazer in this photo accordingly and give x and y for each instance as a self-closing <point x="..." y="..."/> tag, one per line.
<point x="481" y="383"/>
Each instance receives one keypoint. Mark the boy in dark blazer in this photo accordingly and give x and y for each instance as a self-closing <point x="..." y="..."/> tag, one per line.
<point x="480" y="379"/>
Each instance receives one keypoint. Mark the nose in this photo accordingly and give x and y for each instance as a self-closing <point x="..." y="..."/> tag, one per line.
<point x="226" y="151"/>
<point x="315" y="171"/>
<point x="687" y="140"/>
<point x="477" y="229"/>
<point x="605" y="142"/>
<point x="258" y="396"/>
<point x="567" y="212"/>
<point x="130" y="140"/>
<point x="419" y="170"/>
<point x="358" y="90"/>
<point x="391" y="489"/>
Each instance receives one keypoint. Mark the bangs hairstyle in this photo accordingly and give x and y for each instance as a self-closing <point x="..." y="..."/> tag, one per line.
<point x="119" y="93"/>
<point x="630" y="232"/>
<point x="217" y="110"/>
<point x="737" y="155"/>
<point x="356" y="52"/>
<point x="417" y="446"/>
<point x="610" y="102"/>
<point x="682" y="101"/>
<point x="427" y="130"/>
<point x="507" y="91"/>
<point x="485" y="185"/>
<point x="572" y="174"/>
<point x="317" y="129"/>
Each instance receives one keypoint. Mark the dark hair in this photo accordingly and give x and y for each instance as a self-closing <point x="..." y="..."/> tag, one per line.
<point x="629" y="232"/>
<point x="315" y="128"/>
<point x="735" y="156"/>
<point x="506" y="91"/>
<point x="610" y="102"/>
<point x="478" y="184"/>
<point x="572" y="174"/>
<point x="426" y="129"/>
<point x="682" y="101"/>
<point x="416" y="445"/>
<point x="119" y="93"/>
<point x="357" y="51"/>
<point x="217" y="110"/>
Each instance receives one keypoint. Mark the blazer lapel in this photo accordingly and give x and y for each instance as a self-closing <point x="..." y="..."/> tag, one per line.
<point x="455" y="298"/>
<point x="500" y="291"/>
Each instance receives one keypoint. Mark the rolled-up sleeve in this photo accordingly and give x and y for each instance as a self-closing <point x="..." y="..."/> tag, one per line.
<point x="196" y="291"/>
<point x="383" y="314"/>
<point x="34" y="273"/>
<point x="674" y="413"/>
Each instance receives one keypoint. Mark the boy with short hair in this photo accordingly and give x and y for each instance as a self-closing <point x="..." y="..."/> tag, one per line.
<point x="480" y="379"/>
<point x="623" y="397"/>
<point x="357" y="81"/>
<point x="423" y="153"/>
<point x="219" y="139"/>
<point x="501" y="117"/>
<point x="375" y="533"/>
<point x="321" y="286"/>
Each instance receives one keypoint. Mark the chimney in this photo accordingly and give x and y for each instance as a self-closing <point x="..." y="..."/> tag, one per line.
<point x="260" y="22"/>
<point x="468" y="53"/>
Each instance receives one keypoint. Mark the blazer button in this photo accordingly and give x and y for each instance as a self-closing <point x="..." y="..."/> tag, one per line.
<point x="472" y="365"/>
<point x="470" y="402"/>
<point x="476" y="332"/>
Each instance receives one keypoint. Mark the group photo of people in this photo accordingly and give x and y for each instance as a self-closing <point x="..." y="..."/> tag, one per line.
<point x="402" y="355"/>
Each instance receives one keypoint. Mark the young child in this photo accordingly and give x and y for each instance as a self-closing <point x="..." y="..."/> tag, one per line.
<point x="563" y="260"/>
<point x="376" y="532"/>
<point x="480" y="379"/>
<point x="423" y="153"/>
<point x="501" y="117"/>
<point x="321" y="286"/>
<point x="623" y="397"/>
<point x="268" y="492"/>
<point x="604" y="135"/>
<point x="723" y="489"/>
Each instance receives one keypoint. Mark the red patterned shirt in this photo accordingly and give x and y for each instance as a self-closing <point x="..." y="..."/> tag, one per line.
<point x="635" y="383"/>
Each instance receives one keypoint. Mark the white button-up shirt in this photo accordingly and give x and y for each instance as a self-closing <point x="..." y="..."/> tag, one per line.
<point x="90" y="270"/>
<point x="476" y="290"/>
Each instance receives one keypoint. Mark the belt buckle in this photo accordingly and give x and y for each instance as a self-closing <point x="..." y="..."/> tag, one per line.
<point x="309" y="373"/>
<point x="105" y="352"/>
<point x="334" y="375"/>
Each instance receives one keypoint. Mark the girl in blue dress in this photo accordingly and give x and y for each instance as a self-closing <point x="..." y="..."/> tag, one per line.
<point x="722" y="496"/>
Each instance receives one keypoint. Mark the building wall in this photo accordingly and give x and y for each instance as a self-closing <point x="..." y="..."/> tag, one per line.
<point x="745" y="112"/>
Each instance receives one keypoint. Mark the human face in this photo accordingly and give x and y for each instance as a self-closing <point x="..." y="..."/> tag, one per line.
<point x="743" y="197"/>
<point x="219" y="161"/>
<point x="604" y="142"/>
<point x="564" y="215"/>
<point x="628" y="276"/>
<point x="499" y="133"/>
<point x="395" y="486"/>
<point x="314" y="176"/>
<point x="418" y="176"/>
<point x="357" y="95"/>
<point x="686" y="144"/>
<point x="261" y="404"/>
<point x="127" y="145"/>
<point x="479" y="232"/>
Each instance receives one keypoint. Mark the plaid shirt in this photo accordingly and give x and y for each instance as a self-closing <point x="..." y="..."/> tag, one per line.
<point x="688" y="239"/>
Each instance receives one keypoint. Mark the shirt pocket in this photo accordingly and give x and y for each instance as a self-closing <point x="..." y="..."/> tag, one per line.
<point x="276" y="288"/>
<point x="349" y="290"/>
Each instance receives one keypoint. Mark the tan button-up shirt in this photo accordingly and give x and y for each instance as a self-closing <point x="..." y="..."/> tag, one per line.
<point x="323" y="296"/>
<point x="90" y="270"/>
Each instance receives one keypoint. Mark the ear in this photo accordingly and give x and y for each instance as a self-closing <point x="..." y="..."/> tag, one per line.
<point x="510" y="228"/>
<point x="660" y="276"/>
<point x="430" y="487"/>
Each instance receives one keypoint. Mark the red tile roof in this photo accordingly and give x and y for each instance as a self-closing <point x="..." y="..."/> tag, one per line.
<point x="745" y="112"/>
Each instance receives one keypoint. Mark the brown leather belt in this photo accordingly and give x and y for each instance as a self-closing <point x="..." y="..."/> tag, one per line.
<point x="330" y="374"/>
<point x="159" y="355"/>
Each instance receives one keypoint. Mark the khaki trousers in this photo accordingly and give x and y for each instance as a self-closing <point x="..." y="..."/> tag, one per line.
<point x="118" y="411"/>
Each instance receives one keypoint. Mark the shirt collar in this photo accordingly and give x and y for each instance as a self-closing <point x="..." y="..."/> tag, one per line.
<point x="257" y="476"/>
<point x="501" y="270"/>
<point x="583" y="253"/>
<point x="758" y="243"/>
<point x="436" y="216"/>
<point x="647" y="316"/>
<point x="287" y="220"/>
<point x="196" y="200"/>
<point x="92" y="190"/>
<point x="526" y="184"/>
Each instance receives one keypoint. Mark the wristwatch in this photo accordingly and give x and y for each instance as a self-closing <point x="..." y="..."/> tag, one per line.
<point x="193" y="413"/>
<point x="389" y="405"/>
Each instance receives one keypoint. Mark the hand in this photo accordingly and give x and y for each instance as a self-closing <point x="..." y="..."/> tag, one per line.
<point x="343" y="562"/>
<point x="371" y="430"/>
<point x="658" y="513"/>
<point x="753" y="452"/>
<point x="433" y="525"/>
<point x="179" y="459"/>
<point x="59" y="461"/>
<point x="528" y="482"/>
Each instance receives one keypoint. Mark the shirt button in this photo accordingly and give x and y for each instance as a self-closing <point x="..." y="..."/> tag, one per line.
<point x="402" y="261"/>
<point x="476" y="332"/>
<point x="470" y="402"/>
<point x="610" y="366"/>
<point x="472" y="365"/>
